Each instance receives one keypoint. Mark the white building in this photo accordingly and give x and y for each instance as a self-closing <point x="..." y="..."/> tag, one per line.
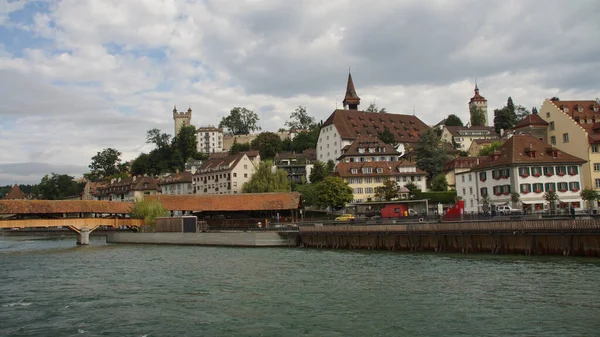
<point x="210" y="139"/>
<point x="464" y="136"/>
<point x="225" y="174"/>
<point x="344" y="126"/>
<point x="177" y="183"/>
<point x="528" y="166"/>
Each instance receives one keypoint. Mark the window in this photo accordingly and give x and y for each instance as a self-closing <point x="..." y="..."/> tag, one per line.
<point x="484" y="192"/>
<point x="565" y="137"/>
<point x="379" y="170"/>
<point x="245" y="175"/>
<point x="498" y="190"/>
<point x="574" y="186"/>
<point x="506" y="189"/>
<point x="566" y="109"/>
<point x="596" y="167"/>
<point x="358" y="190"/>
<point x="553" y="140"/>
<point x="470" y="190"/>
<point x="470" y="177"/>
<point x="524" y="172"/>
<point x="552" y="125"/>
<point x="353" y="171"/>
<point x="525" y="188"/>
<point x="368" y="180"/>
<point x="547" y="114"/>
<point x="482" y="176"/>
<point x="538" y="188"/>
<point x="367" y="170"/>
<point x="536" y="171"/>
<point x="597" y="183"/>
<point x="595" y="148"/>
<point x="245" y="167"/>
<point x="550" y="187"/>
<point x="548" y="171"/>
<point x="464" y="191"/>
<point x="463" y="178"/>
<point x="563" y="187"/>
<point x="561" y="170"/>
<point x="377" y="179"/>
<point x="234" y="174"/>
<point x="573" y="170"/>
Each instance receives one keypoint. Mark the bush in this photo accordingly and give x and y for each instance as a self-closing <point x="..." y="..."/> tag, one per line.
<point x="444" y="197"/>
<point x="149" y="210"/>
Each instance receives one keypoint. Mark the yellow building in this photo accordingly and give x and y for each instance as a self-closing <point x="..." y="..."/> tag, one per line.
<point x="574" y="127"/>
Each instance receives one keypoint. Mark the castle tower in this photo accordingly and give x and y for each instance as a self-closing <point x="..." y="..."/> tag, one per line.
<point x="480" y="102"/>
<point x="181" y="119"/>
<point x="351" y="100"/>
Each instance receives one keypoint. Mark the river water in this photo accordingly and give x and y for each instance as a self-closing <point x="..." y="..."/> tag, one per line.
<point x="51" y="287"/>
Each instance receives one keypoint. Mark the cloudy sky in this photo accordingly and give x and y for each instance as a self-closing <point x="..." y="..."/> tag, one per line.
<point x="78" y="76"/>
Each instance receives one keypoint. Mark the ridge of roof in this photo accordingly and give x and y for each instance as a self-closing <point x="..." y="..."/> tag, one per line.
<point x="15" y="193"/>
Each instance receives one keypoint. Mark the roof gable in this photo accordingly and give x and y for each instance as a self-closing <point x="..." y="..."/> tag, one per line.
<point x="15" y="193"/>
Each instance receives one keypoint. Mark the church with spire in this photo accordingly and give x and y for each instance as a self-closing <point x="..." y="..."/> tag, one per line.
<point x="346" y="125"/>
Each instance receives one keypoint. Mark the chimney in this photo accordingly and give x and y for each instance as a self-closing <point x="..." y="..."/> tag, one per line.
<point x="495" y="155"/>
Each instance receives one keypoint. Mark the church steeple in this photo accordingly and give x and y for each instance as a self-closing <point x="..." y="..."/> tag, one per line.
<point x="351" y="100"/>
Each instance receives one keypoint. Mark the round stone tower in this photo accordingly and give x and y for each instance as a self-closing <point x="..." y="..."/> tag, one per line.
<point x="181" y="119"/>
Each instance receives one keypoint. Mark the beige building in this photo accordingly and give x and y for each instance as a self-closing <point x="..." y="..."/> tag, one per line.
<point x="365" y="177"/>
<point x="224" y="173"/>
<point x="181" y="119"/>
<point x="478" y="145"/>
<point x="176" y="183"/>
<point x="459" y="165"/>
<point x="128" y="189"/>
<point x="463" y="136"/>
<point x="574" y="126"/>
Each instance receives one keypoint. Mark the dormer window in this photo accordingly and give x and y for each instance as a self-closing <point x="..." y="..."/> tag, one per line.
<point x="595" y="109"/>
<point x="379" y="170"/>
<point x="566" y="109"/>
<point x="367" y="170"/>
<point x="371" y="150"/>
<point x="361" y="150"/>
<point x="580" y="109"/>
<point x="354" y="171"/>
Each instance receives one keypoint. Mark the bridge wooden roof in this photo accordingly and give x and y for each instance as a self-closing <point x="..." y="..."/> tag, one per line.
<point x="230" y="202"/>
<point x="63" y="206"/>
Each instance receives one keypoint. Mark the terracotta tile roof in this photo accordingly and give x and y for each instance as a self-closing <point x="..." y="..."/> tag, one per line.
<point x="176" y="178"/>
<point x="220" y="162"/>
<point x="352" y="123"/>
<point x="477" y="97"/>
<point x="15" y="193"/>
<point x="460" y="131"/>
<point x="484" y="141"/>
<point x="230" y="202"/>
<point x="135" y="183"/>
<point x="63" y="206"/>
<point x="462" y="162"/>
<point x="517" y="150"/>
<point x="389" y="168"/>
<point x="532" y="119"/>
<point x="366" y="142"/>
<point x="582" y="112"/>
<point x="449" y="148"/>
<point x="351" y="97"/>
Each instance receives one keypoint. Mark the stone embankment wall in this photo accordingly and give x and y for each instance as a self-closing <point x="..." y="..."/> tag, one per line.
<point x="547" y="237"/>
<point x="237" y="239"/>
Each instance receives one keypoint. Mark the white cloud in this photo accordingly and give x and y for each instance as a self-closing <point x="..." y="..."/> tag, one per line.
<point x="107" y="71"/>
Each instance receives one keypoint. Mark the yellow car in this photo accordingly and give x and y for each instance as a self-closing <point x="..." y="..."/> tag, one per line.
<point x="345" y="217"/>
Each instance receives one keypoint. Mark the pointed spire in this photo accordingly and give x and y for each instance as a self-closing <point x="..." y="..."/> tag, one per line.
<point x="351" y="100"/>
<point x="476" y="87"/>
<point x="174" y="108"/>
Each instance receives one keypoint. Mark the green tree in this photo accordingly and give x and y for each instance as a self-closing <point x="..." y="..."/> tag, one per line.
<point x="268" y="144"/>
<point x="488" y="150"/>
<point x="477" y="116"/>
<point x="177" y="161"/>
<point x="309" y="194"/>
<point x="59" y="186"/>
<point x="306" y="140"/>
<point x="330" y="166"/>
<point x="333" y="192"/>
<point x="318" y="172"/>
<point x="534" y="111"/>
<point x="140" y="164"/>
<point x="107" y="163"/>
<point x="239" y="147"/>
<point x="551" y="198"/>
<point x="506" y="117"/>
<point x="266" y="180"/>
<point x="387" y="137"/>
<point x="300" y="120"/>
<point x="374" y="108"/>
<point x="149" y="210"/>
<point x="240" y="121"/>
<point x="186" y="142"/>
<point x="520" y="113"/>
<point x="453" y="120"/>
<point x="589" y="195"/>
<point x="411" y="187"/>
<point x="388" y="191"/>
<point x="161" y="140"/>
<point x="430" y="156"/>
<point x="439" y="183"/>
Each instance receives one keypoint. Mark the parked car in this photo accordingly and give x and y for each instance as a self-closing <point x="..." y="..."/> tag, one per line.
<point x="507" y="210"/>
<point x="345" y="217"/>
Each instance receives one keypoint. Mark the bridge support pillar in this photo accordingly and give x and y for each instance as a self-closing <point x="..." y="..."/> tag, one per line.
<point x="83" y="236"/>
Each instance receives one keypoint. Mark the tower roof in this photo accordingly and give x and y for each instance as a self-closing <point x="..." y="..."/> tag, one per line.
<point x="477" y="97"/>
<point x="15" y="193"/>
<point x="351" y="97"/>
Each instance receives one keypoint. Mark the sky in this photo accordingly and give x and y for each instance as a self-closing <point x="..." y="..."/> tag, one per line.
<point x="79" y="76"/>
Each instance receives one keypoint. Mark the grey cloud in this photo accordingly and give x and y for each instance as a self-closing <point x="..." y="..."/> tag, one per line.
<point x="31" y="172"/>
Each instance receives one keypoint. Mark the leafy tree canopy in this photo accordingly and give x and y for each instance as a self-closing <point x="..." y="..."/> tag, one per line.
<point x="149" y="210"/>
<point x="488" y="150"/>
<point x="334" y="192"/>
<point x="387" y="137"/>
<point x="107" y="163"/>
<point x="306" y="140"/>
<point x="453" y="120"/>
<point x="268" y="144"/>
<point x="265" y="180"/>
<point x="506" y="117"/>
<point x="388" y="191"/>
<point x="374" y="108"/>
<point x="185" y="142"/>
<point x="589" y="195"/>
<point x="161" y="140"/>
<point x="240" y="121"/>
<point x="430" y="156"/>
<point x="439" y="183"/>
<point x="59" y="186"/>
<point x="300" y="120"/>
<point x="318" y="172"/>
<point x="239" y="147"/>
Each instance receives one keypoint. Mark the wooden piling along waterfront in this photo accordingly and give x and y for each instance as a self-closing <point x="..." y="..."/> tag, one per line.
<point x="540" y="237"/>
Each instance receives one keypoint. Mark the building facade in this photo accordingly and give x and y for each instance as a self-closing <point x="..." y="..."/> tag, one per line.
<point x="181" y="119"/>
<point x="463" y="136"/>
<point x="298" y="166"/>
<point x="177" y="183"/>
<point x="344" y="126"/>
<point x="532" y="125"/>
<point x="528" y="166"/>
<point x="459" y="165"/>
<point x="210" y="139"/>
<point x="365" y="177"/>
<point x="574" y="126"/>
<point x="129" y="189"/>
<point x="224" y="173"/>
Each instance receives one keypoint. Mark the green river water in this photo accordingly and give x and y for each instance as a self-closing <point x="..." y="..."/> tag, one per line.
<point x="51" y="287"/>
